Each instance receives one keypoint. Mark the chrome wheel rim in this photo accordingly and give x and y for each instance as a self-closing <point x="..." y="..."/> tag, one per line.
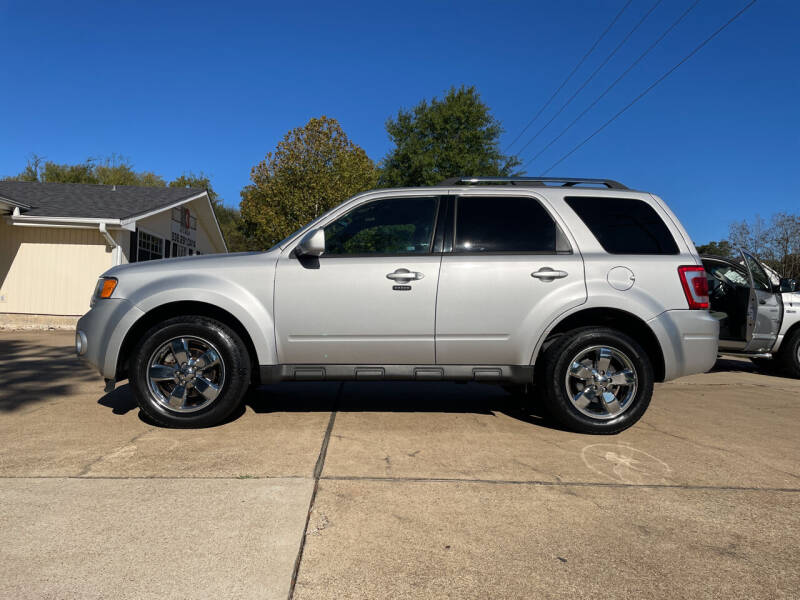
<point x="601" y="382"/>
<point x="185" y="374"/>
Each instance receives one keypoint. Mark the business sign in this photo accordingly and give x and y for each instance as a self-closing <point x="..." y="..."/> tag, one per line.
<point x="184" y="227"/>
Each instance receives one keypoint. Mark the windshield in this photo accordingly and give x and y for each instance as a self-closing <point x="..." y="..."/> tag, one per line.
<point x="730" y="275"/>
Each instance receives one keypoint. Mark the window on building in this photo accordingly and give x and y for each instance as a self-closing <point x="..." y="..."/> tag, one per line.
<point x="503" y="224"/>
<point x="150" y="247"/>
<point x="183" y="216"/>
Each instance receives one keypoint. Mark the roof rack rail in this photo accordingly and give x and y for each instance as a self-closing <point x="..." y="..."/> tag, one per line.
<point x="535" y="181"/>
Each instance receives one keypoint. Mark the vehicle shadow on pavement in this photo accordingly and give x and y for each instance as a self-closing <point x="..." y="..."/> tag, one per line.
<point x="737" y="365"/>
<point x="393" y="396"/>
<point x="732" y="364"/>
<point x="120" y="401"/>
<point x="368" y="397"/>
<point x="31" y="372"/>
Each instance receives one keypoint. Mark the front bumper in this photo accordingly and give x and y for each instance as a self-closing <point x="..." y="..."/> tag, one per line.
<point x="101" y="331"/>
<point x="689" y="341"/>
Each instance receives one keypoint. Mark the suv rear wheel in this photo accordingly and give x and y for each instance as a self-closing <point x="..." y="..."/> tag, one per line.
<point x="190" y="371"/>
<point x="597" y="380"/>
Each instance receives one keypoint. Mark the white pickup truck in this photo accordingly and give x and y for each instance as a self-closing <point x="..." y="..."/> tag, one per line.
<point x="758" y="317"/>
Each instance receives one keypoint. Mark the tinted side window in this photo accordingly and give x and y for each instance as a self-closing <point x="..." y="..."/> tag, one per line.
<point x="393" y="226"/>
<point x="760" y="278"/>
<point x="624" y="225"/>
<point x="503" y="224"/>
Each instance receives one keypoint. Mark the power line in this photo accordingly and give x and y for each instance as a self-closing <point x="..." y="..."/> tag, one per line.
<point x="595" y="72"/>
<point x="651" y="86"/>
<point x="574" y="70"/>
<point x="615" y="82"/>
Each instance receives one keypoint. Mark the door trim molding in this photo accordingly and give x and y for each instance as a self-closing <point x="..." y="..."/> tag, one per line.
<point x="363" y="372"/>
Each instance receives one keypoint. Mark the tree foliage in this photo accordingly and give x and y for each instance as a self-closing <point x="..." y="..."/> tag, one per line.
<point x="201" y="181"/>
<point x="313" y="168"/>
<point x="776" y="242"/>
<point x="112" y="170"/>
<point x="456" y="135"/>
<point x="722" y="248"/>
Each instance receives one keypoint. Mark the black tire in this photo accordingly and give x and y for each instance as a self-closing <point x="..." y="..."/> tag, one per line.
<point x="233" y="358"/>
<point x="788" y="357"/>
<point x="557" y="360"/>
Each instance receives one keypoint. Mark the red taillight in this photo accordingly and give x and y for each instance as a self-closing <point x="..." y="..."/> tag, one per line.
<point x="695" y="286"/>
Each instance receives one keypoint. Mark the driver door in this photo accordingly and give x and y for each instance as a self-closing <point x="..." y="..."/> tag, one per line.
<point x="370" y="299"/>
<point x="765" y="308"/>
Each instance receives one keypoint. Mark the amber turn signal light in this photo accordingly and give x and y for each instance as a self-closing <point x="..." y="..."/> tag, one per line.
<point x="109" y="284"/>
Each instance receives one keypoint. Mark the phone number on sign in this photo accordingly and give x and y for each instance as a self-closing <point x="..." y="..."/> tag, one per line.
<point x="177" y="238"/>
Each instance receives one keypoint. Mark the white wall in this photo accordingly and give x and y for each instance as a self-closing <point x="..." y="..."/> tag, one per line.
<point x="49" y="271"/>
<point x="53" y="271"/>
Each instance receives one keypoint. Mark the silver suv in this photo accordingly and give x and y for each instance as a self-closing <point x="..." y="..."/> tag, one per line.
<point x="589" y="289"/>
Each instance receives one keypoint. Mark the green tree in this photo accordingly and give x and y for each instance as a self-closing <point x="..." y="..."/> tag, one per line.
<point x="445" y="138"/>
<point x="228" y="217"/>
<point x="314" y="168"/>
<point x="81" y="173"/>
<point x="113" y="170"/>
<point x="201" y="182"/>
<point x="720" y="248"/>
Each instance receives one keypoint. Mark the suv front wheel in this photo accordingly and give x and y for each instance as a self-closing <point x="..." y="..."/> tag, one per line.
<point x="596" y="380"/>
<point x="190" y="371"/>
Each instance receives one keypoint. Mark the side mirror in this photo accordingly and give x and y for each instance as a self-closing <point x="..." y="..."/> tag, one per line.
<point x="788" y="285"/>
<point x="312" y="244"/>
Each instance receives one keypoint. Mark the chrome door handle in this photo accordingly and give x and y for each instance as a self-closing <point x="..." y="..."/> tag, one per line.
<point x="403" y="275"/>
<point x="548" y="274"/>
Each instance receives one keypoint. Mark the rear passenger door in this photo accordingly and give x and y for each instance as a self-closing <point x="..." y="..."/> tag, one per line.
<point x="509" y="272"/>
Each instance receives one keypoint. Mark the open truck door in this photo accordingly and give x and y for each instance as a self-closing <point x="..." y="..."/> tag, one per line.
<point x="764" y="309"/>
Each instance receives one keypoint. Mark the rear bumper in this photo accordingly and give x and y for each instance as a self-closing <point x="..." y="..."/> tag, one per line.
<point x="101" y="332"/>
<point x="689" y="341"/>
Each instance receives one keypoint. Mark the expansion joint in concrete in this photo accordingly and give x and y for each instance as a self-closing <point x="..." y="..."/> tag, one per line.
<point x="318" y="467"/>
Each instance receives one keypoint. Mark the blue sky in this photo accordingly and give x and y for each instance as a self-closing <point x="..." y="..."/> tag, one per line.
<point x="212" y="87"/>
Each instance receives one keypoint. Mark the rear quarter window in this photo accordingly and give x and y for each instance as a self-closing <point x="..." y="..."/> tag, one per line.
<point x="624" y="225"/>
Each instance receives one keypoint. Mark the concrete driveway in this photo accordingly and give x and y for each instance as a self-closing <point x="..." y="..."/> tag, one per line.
<point x="367" y="490"/>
